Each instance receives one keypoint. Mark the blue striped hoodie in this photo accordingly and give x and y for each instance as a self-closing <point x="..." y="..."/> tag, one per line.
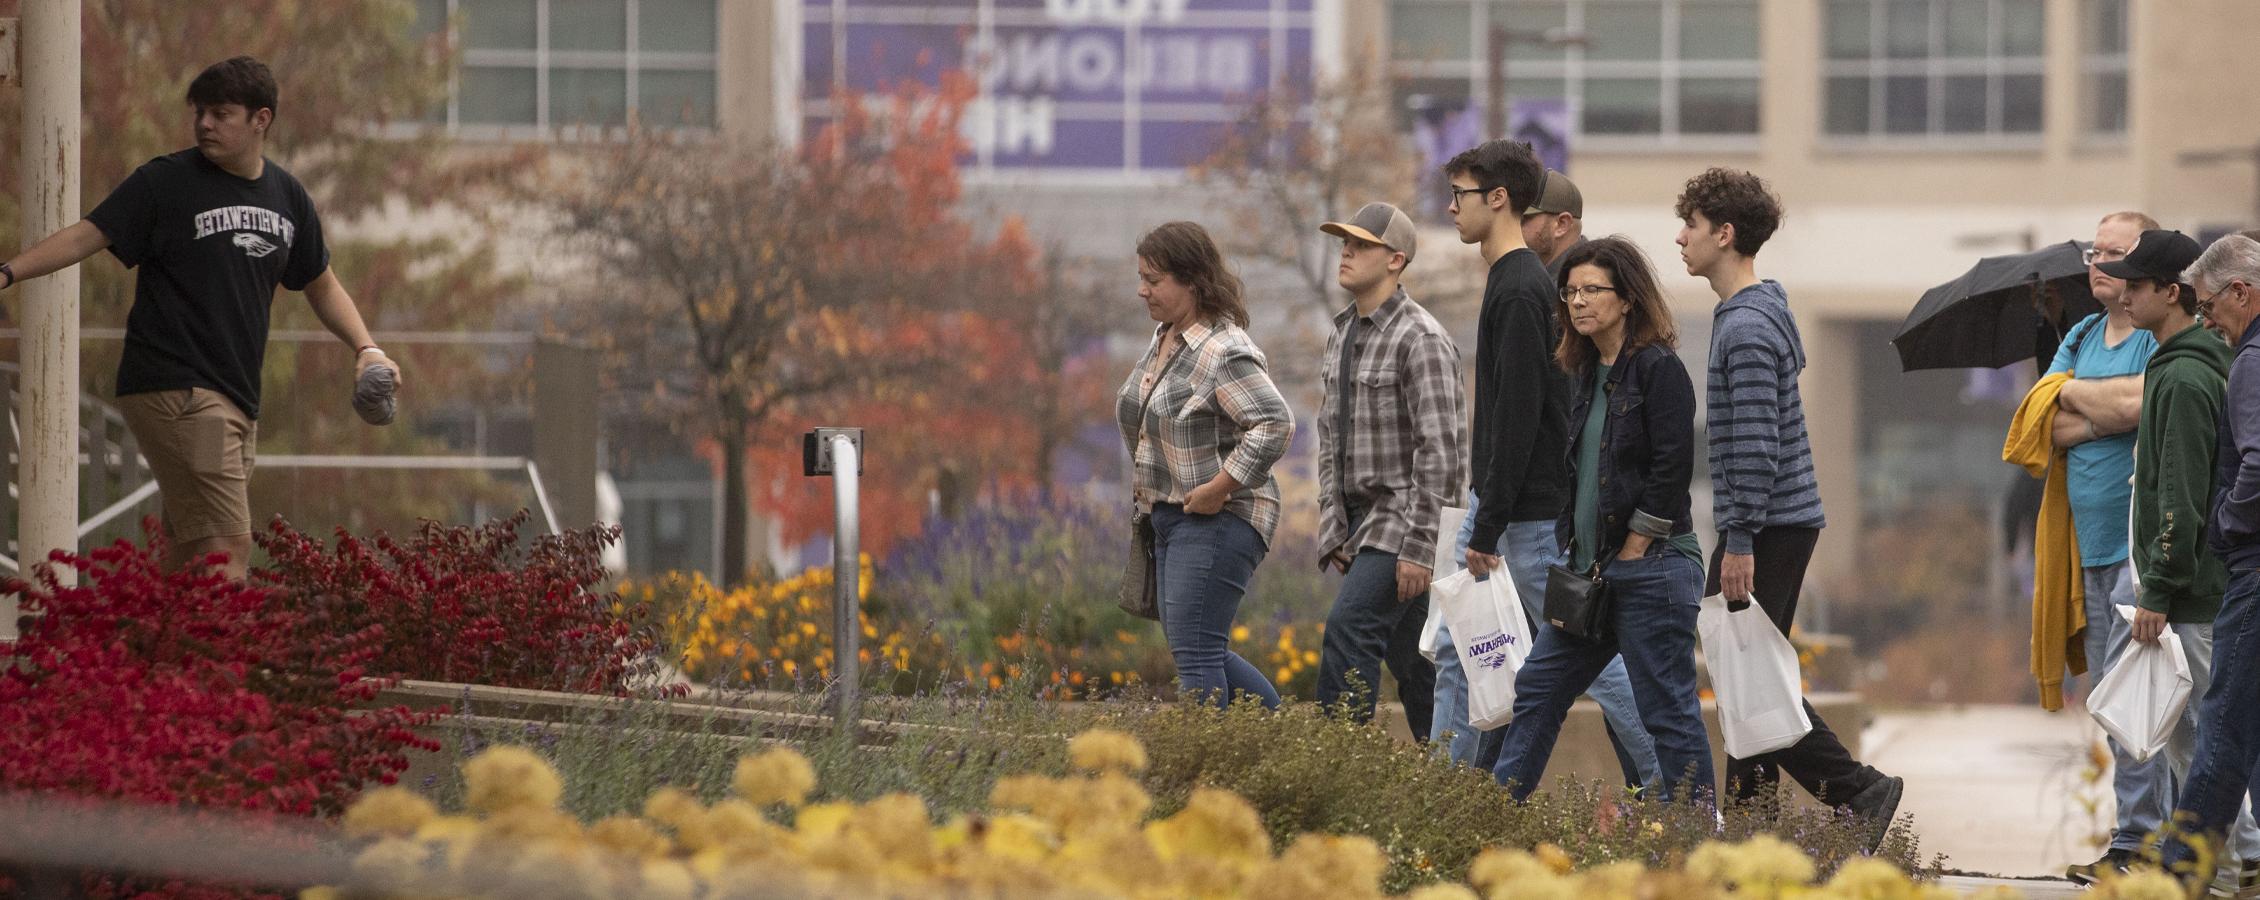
<point x="1761" y="457"/>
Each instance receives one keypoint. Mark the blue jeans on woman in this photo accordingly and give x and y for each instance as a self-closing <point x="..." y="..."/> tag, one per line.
<point x="1656" y="600"/>
<point x="1203" y="564"/>
<point x="1528" y="549"/>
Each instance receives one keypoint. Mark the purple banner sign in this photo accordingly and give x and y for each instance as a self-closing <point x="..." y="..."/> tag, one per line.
<point x="1121" y="85"/>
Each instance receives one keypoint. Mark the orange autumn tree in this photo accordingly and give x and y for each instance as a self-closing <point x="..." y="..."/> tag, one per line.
<point x="765" y="288"/>
<point x="1028" y="371"/>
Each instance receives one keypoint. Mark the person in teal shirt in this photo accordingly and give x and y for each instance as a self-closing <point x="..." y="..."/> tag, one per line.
<point x="2096" y="414"/>
<point x="1632" y="453"/>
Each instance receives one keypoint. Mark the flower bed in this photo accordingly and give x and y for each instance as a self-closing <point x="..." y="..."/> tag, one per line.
<point x="189" y="690"/>
<point x="1000" y="597"/>
<point x="473" y="605"/>
<point x="192" y="691"/>
<point x="1096" y="832"/>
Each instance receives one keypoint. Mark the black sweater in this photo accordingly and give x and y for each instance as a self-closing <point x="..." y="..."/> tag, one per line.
<point x="1521" y="437"/>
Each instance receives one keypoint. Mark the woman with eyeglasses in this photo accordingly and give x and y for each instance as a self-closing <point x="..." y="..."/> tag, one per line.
<point x="1632" y="455"/>
<point x="1203" y="424"/>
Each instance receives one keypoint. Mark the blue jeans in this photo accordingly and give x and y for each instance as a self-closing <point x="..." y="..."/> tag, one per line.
<point x="1367" y="625"/>
<point x="1204" y="563"/>
<point x="1528" y="548"/>
<point x="1656" y="600"/>
<point x="2221" y="770"/>
<point x="2142" y="788"/>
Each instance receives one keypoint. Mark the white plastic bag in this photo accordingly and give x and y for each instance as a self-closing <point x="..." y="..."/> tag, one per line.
<point x="1447" y="539"/>
<point x="2142" y="697"/>
<point x="1492" y="637"/>
<point x="1761" y="695"/>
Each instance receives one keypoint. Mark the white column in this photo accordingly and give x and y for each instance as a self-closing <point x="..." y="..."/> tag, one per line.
<point x="47" y="471"/>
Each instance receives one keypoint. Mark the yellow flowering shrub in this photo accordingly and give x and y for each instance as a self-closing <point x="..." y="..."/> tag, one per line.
<point x="778" y="631"/>
<point x="1085" y="835"/>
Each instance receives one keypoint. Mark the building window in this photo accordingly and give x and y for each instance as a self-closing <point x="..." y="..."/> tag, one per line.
<point x="2103" y="66"/>
<point x="1651" y="70"/>
<point x="565" y="63"/>
<point x="1933" y="68"/>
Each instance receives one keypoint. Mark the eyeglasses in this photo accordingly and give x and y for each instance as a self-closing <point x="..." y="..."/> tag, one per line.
<point x="2093" y="255"/>
<point x="1588" y="293"/>
<point x="1457" y="191"/>
<point x="2205" y="304"/>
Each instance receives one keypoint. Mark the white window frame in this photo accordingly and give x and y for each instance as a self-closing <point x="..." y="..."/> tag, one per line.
<point x="633" y="59"/>
<point x="1572" y="68"/>
<point x="1935" y="67"/>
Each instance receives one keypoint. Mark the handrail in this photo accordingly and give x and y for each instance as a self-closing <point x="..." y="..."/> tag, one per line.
<point x="148" y="489"/>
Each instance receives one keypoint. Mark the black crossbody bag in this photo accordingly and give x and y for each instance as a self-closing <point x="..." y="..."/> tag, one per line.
<point x="1579" y="604"/>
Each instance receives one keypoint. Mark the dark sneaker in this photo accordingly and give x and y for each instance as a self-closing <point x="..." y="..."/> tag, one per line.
<point x="2239" y="882"/>
<point x="1877" y="805"/>
<point x="2114" y="862"/>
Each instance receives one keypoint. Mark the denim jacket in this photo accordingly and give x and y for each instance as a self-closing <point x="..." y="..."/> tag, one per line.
<point x="1647" y="449"/>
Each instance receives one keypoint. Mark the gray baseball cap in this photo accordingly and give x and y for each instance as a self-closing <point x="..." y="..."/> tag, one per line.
<point x="1379" y="223"/>
<point x="1557" y="194"/>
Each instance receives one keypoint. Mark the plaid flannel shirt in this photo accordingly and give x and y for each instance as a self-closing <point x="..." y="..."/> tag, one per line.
<point x="1213" y="408"/>
<point x="1407" y="439"/>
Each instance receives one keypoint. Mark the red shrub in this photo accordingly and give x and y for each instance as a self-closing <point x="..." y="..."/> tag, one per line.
<point x="470" y="604"/>
<point x="189" y="690"/>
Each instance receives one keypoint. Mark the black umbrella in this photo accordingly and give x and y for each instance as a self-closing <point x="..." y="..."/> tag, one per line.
<point x="1998" y="313"/>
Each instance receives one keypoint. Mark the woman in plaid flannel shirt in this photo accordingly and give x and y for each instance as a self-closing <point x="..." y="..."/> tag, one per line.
<point x="1203" y="424"/>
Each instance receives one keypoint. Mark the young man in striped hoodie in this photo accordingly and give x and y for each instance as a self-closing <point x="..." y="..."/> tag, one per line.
<point x="1764" y="496"/>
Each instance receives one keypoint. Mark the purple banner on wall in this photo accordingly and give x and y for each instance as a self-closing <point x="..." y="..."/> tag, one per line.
<point x="1123" y="85"/>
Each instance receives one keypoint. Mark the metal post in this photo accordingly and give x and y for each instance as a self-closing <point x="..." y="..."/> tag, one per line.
<point x="49" y="173"/>
<point x="847" y="570"/>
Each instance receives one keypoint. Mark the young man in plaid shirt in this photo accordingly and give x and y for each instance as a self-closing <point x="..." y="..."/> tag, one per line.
<point x="1392" y="440"/>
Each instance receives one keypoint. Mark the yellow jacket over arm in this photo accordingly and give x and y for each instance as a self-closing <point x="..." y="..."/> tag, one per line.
<point x="2059" y="613"/>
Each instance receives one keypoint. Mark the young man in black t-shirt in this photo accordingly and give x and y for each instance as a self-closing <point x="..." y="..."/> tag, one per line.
<point x="214" y="229"/>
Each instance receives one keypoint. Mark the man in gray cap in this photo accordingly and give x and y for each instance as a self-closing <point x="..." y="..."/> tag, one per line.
<point x="1556" y="222"/>
<point x="1392" y="443"/>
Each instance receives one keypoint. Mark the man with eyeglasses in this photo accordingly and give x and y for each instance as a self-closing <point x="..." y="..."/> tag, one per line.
<point x="1552" y="225"/>
<point x="2180" y="580"/>
<point x="1520" y="440"/>
<point x="2095" y="417"/>
<point x="2220" y="778"/>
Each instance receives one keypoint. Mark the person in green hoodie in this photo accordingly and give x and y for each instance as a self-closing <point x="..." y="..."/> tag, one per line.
<point x="2179" y="580"/>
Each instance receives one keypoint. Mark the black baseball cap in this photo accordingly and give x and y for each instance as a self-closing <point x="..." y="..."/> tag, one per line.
<point x="2159" y="255"/>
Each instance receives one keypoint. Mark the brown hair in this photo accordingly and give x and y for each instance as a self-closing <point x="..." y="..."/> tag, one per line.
<point x="1646" y="319"/>
<point x="1732" y="197"/>
<point x="1502" y="164"/>
<point x="241" y="80"/>
<point x="1183" y="250"/>
<point x="2141" y="219"/>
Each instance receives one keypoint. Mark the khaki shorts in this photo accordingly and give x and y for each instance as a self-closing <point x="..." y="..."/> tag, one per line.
<point x="202" y="448"/>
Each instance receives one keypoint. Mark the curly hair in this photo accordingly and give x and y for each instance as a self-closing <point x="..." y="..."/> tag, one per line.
<point x="1733" y="197"/>
<point x="1183" y="250"/>
<point x="1502" y="164"/>
<point x="1647" y="317"/>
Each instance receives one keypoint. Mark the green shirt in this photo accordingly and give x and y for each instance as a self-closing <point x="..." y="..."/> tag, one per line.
<point x="1585" y="515"/>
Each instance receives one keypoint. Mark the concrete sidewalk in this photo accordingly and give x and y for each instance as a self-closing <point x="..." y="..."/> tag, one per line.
<point x="1997" y="789"/>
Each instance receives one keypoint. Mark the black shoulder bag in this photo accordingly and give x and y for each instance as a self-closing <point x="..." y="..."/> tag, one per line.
<point x="1579" y="604"/>
<point x="1140" y="594"/>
